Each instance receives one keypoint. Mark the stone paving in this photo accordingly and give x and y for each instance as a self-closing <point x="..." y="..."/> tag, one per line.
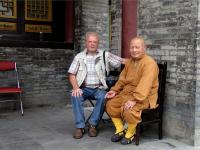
<point x="51" y="128"/>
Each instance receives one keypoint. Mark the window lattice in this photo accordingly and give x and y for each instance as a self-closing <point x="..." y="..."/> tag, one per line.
<point x="39" y="10"/>
<point x="8" y="8"/>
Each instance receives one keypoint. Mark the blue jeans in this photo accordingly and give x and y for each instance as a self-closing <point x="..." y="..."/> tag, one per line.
<point x="77" y="105"/>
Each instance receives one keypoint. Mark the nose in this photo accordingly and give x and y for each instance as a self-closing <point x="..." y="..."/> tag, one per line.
<point x="133" y="49"/>
<point x="92" y="43"/>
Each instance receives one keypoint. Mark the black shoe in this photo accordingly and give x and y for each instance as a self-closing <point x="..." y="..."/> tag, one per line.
<point x="117" y="137"/>
<point x="125" y="141"/>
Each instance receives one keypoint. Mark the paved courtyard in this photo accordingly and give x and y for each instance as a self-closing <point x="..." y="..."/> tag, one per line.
<point x="51" y="128"/>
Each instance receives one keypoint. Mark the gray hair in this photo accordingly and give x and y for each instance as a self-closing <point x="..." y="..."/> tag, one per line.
<point x="91" y="34"/>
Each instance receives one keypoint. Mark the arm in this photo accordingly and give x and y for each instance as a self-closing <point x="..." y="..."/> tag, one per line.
<point x="143" y="89"/>
<point x="119" y="85"/>
<point x="114" y="60"/>
<point x="124" y="61"/>
<point x="72" y="80"/>
<point x="76" y="91"/>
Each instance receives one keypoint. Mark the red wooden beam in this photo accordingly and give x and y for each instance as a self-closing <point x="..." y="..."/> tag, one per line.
<point x="129" y="24"/>
<point x="69" y="21"/>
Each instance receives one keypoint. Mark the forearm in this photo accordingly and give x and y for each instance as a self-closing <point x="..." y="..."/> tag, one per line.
<point x="73" y="81"/>
<point x="117" y="87"/>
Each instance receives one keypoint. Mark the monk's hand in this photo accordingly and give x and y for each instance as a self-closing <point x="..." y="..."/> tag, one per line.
<point x="110" y="94"/>
<point x="77" y="92"/>
<point x="129" y="105"/>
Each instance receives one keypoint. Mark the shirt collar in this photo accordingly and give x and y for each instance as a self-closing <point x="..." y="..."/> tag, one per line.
<point x="85" y="51"/>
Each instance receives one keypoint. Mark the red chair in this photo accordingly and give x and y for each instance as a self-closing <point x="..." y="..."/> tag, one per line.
<point x="8" y="89"/>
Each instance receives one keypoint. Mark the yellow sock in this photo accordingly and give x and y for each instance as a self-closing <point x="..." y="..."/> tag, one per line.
<point x="131" y="130"/>
<point x="118" y="124"/>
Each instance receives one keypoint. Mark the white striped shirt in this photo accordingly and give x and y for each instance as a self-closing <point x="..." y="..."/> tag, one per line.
<point x="92" y="79"/>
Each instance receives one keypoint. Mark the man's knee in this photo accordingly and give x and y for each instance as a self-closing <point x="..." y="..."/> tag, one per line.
<point x="100" y="94"/>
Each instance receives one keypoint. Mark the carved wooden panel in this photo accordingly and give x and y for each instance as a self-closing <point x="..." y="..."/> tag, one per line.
<point x="8" y="26"/>
<point x="38" y="10"/>
<point x="8" y="9"/>
<point x="38" y="28"/>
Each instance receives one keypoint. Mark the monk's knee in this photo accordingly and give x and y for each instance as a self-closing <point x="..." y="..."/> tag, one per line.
<point x="113" y="110"/>
<point x="108" y="105"/>
<point x="131" y="116"/>
<point x="127" y="115"/>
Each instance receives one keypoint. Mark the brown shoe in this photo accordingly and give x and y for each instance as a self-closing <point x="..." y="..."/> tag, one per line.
<point x="79" y="133"/>
<point x="92" y="131"/>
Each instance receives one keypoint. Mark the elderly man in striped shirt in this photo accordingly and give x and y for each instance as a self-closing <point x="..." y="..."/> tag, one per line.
<point x="87" y="77"/>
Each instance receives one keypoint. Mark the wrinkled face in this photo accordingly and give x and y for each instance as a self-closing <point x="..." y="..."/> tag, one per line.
<point x="92" y="43"/>
<point x="137" y="48"/>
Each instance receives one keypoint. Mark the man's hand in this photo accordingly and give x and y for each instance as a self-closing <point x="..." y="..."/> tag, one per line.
<point x="77" y="92"/>
<point x="124" y="60"/>
<point x="110" y="94"/>
<point x="129" y="104"/>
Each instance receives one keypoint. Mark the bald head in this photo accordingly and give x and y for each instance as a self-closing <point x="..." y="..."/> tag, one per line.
<point x="140" y="39"/>
<point x="137" y="47"/>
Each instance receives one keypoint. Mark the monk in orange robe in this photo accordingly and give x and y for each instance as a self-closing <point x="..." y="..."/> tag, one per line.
<point x="136" y="90"/>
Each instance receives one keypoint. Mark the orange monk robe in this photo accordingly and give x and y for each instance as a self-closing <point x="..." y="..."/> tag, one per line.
<point x="138" y="81"/>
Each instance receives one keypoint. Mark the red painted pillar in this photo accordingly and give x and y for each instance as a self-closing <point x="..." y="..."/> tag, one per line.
<point x="129" y="24"/>
<point x="69" y="21"/>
